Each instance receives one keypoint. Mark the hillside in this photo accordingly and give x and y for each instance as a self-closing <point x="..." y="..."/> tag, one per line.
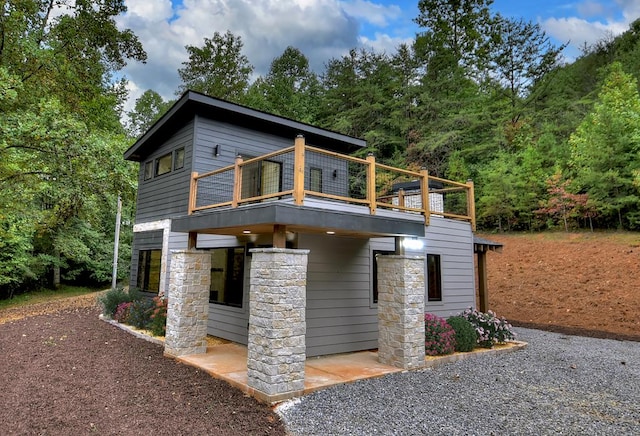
<point x="584" y="281"/>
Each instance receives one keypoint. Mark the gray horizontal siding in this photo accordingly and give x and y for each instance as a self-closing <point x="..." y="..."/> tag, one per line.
<point x="453" y="241"/>
<point x="339" y="314"/>
<point x="166" y="195"/>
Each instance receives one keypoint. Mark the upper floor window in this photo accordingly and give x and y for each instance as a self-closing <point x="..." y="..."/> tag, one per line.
<point x="179" y="159"/>
<point x="148" y="170"/>
<point x="315" y="179"/>
<point x="163" y="164"/>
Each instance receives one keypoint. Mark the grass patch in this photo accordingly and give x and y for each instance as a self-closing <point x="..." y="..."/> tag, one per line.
<point x="44" y="295"/>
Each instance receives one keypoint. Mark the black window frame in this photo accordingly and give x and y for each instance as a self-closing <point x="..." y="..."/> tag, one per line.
<point x="156" y="171"/>
<point x="176" y="161"/>
<point x="233" y="291"/>
<point x="434" y="277"/>
<point x="145" y="262"/>
<point x="148" y="170"/>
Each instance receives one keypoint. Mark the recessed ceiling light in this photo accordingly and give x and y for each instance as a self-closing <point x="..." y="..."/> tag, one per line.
<point x="331" y="233"/>
<point x="246" y="232"/>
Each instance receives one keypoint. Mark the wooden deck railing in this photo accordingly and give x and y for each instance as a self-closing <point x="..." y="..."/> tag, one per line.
<point x="303" y="171"/>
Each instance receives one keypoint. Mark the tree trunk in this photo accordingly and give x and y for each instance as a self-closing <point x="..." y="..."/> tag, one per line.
<point x="56" y="271"/>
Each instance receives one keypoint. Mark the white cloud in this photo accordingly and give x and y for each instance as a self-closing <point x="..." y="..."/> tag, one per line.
<point x="374" y="13"/>
<point x="321" y="29"/>
<point x="590" y="9"/>
<point x="384" y="43"/>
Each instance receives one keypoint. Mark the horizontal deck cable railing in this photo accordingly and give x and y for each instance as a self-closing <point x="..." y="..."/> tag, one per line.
<point x="305" y="171"/>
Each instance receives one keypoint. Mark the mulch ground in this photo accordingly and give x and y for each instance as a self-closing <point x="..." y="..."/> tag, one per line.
<point x="66" y="372"/>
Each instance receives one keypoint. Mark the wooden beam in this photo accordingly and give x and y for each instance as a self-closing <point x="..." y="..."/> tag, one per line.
<point x="192" y="241"/>
<point x="483" y="292"/>
<point x="279" y="236"/>
<point x="298" y="175"/>
<point x="471" y="204"/>
<point x="424" y="195"/>
<point x="237" y="182"/>
<point x="193" y="192"/>
<point x="371" y="183"/>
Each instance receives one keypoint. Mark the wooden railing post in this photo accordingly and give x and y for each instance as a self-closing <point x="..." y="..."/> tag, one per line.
<point x="237" y="181"/>
<point x="371" y="183"/>
<point x="471" y="204"/>
<point x="298" y="175"/>
<point x="424" y="192"/>
<point x="401" y="197"/>
<point x="193" y="192"/>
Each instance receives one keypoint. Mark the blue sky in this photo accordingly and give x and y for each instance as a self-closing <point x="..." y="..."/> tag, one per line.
<point x="325" y="29"/>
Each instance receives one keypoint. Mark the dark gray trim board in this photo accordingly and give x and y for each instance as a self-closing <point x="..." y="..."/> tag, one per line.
<point x="296" y="218"/>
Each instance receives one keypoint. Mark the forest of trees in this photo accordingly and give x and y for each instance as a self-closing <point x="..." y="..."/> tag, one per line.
<point x="475" y="96"/>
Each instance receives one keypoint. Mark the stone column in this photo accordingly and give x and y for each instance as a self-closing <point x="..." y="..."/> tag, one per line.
<point x="277" y="322"/>
<point x="188" y="306"/>
<point x="401" y="310"/>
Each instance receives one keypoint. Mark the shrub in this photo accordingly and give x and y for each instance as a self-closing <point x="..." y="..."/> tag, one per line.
<point x="140" y="313"/>
<point x="439" y="337"/>
<point x="490" y="329"/>
<point x="112" y="299"/>
<point x="466" y="336"/>
<point x="122" y="312"/>
<point x="158" y="324"/>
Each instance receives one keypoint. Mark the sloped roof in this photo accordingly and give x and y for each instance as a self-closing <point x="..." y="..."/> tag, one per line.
<point x="192" y="103"/>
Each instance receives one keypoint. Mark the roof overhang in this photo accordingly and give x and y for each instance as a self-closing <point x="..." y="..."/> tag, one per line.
<point x="261" y="218"/>
<point x="481" y="245"/>
<point x="193" y="104"/>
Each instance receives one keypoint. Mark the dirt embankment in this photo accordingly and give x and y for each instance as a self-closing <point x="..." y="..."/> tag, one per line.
<point x="586" y="283"/>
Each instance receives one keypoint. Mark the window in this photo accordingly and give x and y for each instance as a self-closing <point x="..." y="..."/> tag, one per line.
<point x="227" y="276"/>
<point x="315" y="179"/>
<point x="149" y="270"/>
<point x="163" y="164"/>
<point x="179" y="160"/>
<point x="261" y="178"/>
<point x="148" y="170"/>
<point x="375" y="271"/>
<point x="434" y="277"/>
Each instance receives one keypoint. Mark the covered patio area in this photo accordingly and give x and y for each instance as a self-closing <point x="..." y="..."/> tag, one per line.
<point x="228" y="362"/>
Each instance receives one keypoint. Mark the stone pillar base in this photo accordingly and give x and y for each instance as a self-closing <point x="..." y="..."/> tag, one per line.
<point x="401" y="311"/>
<point x="188" y="305"/>
<point x="277" y="323"/>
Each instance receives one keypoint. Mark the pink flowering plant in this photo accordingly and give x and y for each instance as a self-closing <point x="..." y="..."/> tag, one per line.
<point x="122" y="312"/>
<point x="489" y="327"/>
<point x="439" y="336"/>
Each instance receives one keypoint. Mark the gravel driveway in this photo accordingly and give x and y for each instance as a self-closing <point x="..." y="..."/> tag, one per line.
<point x="560" y="384"/>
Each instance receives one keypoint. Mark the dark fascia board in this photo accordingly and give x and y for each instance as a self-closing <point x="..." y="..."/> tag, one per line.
<point x="193" y="103"/>
<point x="291" y="215"/>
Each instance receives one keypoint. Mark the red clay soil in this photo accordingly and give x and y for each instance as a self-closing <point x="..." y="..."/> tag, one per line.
<point x="67" y="372"/>
<point x="577" y="283"/>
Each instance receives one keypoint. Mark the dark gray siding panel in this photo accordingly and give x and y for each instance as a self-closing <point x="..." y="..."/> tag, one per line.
<point x="166" y="195"/>
<point x="143" y="241"/>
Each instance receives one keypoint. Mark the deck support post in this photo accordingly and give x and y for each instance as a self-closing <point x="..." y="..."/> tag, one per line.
<point x="401" y="311"/>
<point x="188" y="305"/>
<point x="277" y="322"/>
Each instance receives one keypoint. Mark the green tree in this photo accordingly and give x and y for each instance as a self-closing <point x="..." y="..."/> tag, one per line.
<point x="149" y="107"/>
<point x="605" y="149"/>
<point x="218" y="68"/>
<point x="289" y="89"/>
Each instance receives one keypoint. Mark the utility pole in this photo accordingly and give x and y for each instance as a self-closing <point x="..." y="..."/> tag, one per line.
<point x="116" y="243"/>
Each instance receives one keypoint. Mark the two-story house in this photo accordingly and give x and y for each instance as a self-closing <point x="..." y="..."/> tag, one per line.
<point x="232" y="183"/>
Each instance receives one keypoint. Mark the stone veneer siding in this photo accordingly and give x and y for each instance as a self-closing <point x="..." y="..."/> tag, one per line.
<point x="277" y="323"/>
<point x="401" y="311"/>
<point x="188" y="305"/>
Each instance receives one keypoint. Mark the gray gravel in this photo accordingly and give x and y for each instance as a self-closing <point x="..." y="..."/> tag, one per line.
<point x="559" y="384"/>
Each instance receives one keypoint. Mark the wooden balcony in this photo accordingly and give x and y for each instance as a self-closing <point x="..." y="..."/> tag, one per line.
<point x="304" y="175"/>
